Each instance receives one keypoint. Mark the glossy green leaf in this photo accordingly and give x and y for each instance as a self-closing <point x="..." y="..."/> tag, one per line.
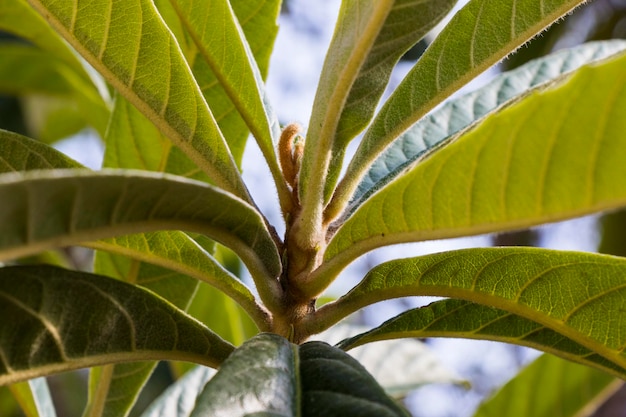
<point x="478" y="36"/>
<point x="459" y="318"/>
<point x="55" y="208"/>
<point x="177" y="252"/>
<point x="406" y="23"/>
<point x="259" y="378"/>
<point x="569" y="293"/>
<point x="458" y="114"/>
<point x="120" y="323"/>
<point x="551" y="156"/>
<point x="222" y="45"/>
<point x="19" y="153"/>
<point x="179" y="399"/>
<point x="128" y="43"/>
<point x="334" y="384"/>
<point x="551" y="387"/>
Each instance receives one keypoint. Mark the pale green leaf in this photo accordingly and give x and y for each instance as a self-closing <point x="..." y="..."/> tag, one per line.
<point x="551" y="156"/>
<point x="179" y="399"/>
<point x="407" y="22"/>
<point x="573" y="294"/>
<point x="19" y="153"/>
<point x="477" y="37"/>
<point x="129" y="44"/>
<point x="459" y="318"/>
<point x="47" y="209"/>
<point x="113" y="389"/>
<point x="457" y="114"/>
<point x="133" y="141"/>
<point x="382" y="360"/>
<point x="551" y="387"/>
<point x="120" y="323"/>
<point x="356" y="30"/>
<point x="259" y="378"/>
<point x="177" y="252"/>
<point x="259" y="21"/>
<point x="222" y="45"/>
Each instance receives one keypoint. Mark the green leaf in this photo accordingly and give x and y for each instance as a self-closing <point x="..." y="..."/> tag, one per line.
<point x="259" y="21"/>
<point x="113" y="389"/>
<point x="56" y="208"/>
<point x="458" y="318"/>
<point x="128" y="43"/>
<point x="356" y="30"/>
<point x="259" y="378"/>
<point x="19" y="153"/>
<point x="458" y="114"/>
<point x="133" y="141"/>
<point x="418" y="362"/>
<point x="477" y="37"/>
<point x="551" y="387"/>
<point x="335" y="385"/>
<point x="177" y="252"/>
<point x="539" y="160"/>
<point x="224" y="316"/>
<point x="26" y="70"/>
<point x="406" y="24"/>
<point x="120" y="322"/>
<point x="179" y="399"/>
<point x="269" y="376"/>
<point x="18" y="18"/>
<point x="564" y="291"/>
<point x="222" y="45"/>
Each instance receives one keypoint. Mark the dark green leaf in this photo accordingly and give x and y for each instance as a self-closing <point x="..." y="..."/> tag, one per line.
<point x="259" y="378"/>
<point x="119" y="323"/>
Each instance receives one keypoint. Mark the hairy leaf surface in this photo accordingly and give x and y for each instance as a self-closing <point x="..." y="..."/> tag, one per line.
<point x="259" y="378"/>
<point x="128" y="43"/>
<point x="460" y="318"/>
<point x="442" y="124"/>
<point x="478" y="36"/>
<point x="222" y="45"/>
<point x="548" y="157"/>
<point x="119" y="323"/>
<point x="55" y="208"/>
<point x="577" y="295"/>
<point x="177" y="252"/>
<point x="364" y="50"/>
